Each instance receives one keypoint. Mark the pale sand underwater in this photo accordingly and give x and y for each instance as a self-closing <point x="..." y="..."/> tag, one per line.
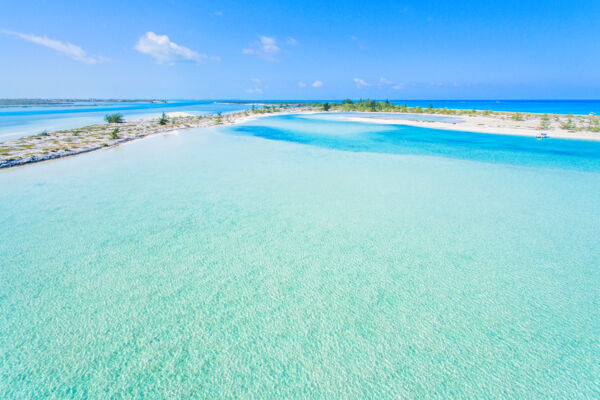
<point x="289" y="257"/>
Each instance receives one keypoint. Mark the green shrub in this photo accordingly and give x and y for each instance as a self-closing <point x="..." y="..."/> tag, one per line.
<point x="517" y="117"/>
<point x="326" y="106"/>
<point x="113" y="134"/>
<point x="114" y="118"/>
<point x="163" y="119"/>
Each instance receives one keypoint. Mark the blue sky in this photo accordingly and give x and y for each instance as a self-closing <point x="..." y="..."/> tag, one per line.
<point x="301" y="50"/>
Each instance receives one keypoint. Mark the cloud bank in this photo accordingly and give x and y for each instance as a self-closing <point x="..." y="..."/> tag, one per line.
<point x="164" y="51"/>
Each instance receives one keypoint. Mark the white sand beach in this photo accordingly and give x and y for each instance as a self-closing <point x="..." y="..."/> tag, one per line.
<point x="493" y="124"/>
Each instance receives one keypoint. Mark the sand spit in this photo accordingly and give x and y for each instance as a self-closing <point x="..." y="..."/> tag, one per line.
<point x="65" y="143"/>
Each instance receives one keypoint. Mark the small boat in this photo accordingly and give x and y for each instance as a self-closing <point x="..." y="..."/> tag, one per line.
<point x="541" y="135"/>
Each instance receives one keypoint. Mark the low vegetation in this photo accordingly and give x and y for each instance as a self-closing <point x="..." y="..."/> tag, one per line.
<point x="580" y="123"/>
<point x="266" y="109"/>
<point x="163" y="119"/>
<point x="114" y="118"/>
<point x="47" y="145"/>
<point x="545" y="122"/>
<point x="568" y="124"/>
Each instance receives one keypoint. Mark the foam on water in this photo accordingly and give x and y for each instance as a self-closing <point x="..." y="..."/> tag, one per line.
<point x="210" y="264"/>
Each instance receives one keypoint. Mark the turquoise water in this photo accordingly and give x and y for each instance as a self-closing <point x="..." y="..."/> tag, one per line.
<point x="324" y="131"/>
<point x="22" y="121"/>
<point x="296" y="257"/>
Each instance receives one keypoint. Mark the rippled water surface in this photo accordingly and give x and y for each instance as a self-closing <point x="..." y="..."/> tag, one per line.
<point x="296" y="257"/>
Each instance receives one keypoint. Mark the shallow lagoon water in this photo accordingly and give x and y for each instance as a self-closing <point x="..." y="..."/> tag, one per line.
<point x="326" y="130"/>
<point x="233" y="263"/>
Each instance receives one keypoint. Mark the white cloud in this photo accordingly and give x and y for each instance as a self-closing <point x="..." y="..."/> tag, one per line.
<point x="218" y="13"/>
<point x="164" y="51"/>
<point x="66" y="48"/>
<point x="265" y="48"/>
<point x="360" y="83"/>
<point x="317" y="84"/>
<point x="383" y="81"/>
<point x="255" y="80"/>
<point x="254" y="90"/>
<point x="301" y="84"/>
<point x="398" y="86"/>
<point x="292" y="42"/>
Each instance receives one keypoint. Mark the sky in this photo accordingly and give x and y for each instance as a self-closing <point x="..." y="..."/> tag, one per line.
<point x="525" y="49"/>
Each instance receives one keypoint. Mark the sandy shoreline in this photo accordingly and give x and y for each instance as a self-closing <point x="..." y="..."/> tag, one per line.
<point x="480" y="124"/>
<point x="60" y="144"/>
<point x="66" y="143"/>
